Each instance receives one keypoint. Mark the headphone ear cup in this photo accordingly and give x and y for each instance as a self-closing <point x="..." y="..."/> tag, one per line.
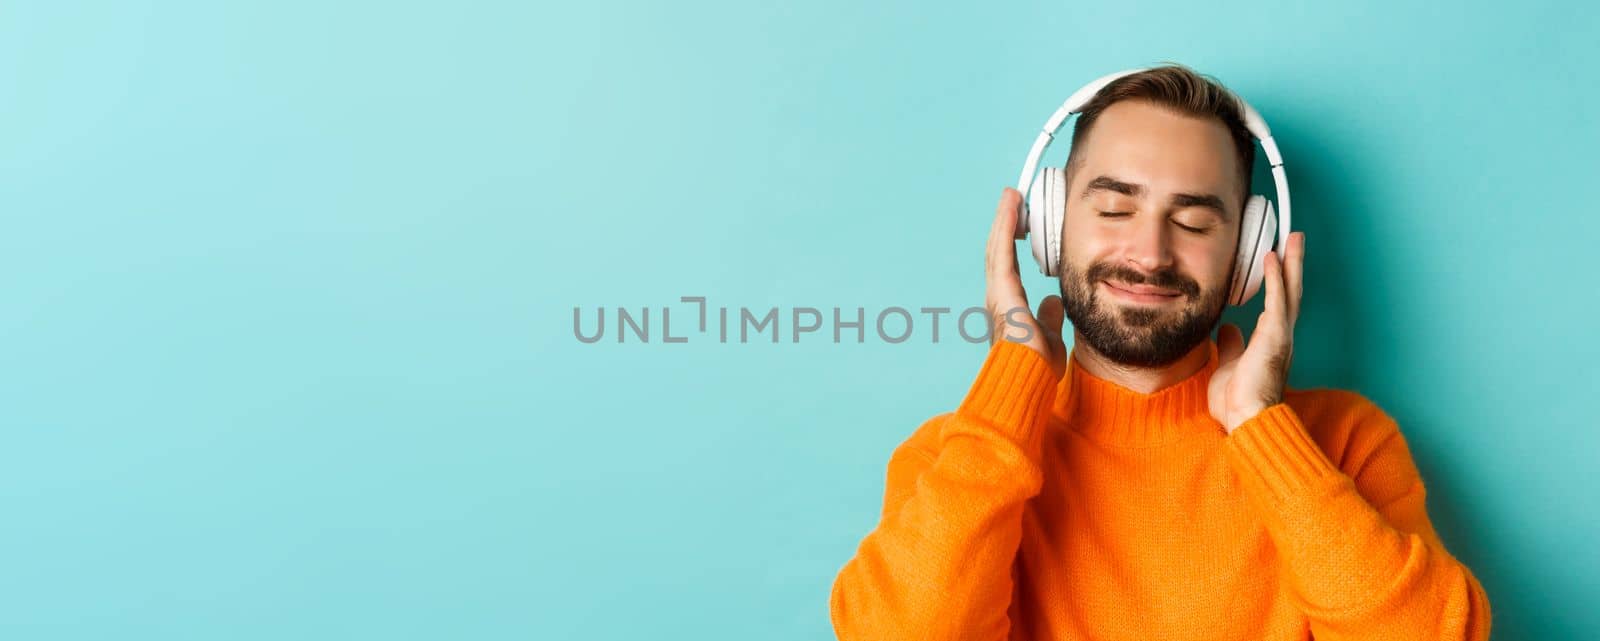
<point x="1256" y="232"/>
<point x="1038" y="205"/>
<point x="1055" y="213"/>
<point x="1047" y="206"/>
<point x="1021" y="231"/>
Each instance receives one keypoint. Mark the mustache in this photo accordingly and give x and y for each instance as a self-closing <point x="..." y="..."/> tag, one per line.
<point x="1165" y="279"/>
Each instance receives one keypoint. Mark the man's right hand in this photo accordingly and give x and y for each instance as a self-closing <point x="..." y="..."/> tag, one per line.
<point x="1008" y="302"/>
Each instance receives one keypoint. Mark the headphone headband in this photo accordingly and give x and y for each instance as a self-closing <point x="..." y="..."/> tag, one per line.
<point x="1252" y="121"/>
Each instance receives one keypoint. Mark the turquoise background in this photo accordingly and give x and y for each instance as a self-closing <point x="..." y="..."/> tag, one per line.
<point x="287" y="289"/>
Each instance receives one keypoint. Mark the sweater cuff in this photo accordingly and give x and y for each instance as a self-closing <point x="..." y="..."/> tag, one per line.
<point x="1274" y="448"/>
<point x="1013" y="391"/>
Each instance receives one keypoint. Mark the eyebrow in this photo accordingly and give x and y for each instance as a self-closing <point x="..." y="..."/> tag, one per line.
<point x="1107" y="183"/>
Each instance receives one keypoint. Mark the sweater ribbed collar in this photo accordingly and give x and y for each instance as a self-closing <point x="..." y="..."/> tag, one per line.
<point x="1109" y="413"/>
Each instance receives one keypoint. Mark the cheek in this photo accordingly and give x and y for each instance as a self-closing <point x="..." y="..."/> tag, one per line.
<point x="1082" y="242"/>
<point x="1206" y="260"/>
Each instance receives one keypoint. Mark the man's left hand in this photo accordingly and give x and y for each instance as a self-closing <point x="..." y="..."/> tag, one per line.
<point x="1251" y="378"/>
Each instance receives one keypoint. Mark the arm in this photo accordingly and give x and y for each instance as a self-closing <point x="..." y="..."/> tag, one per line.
<point x="938" y="564"/>
<point x="1358" y="569"/>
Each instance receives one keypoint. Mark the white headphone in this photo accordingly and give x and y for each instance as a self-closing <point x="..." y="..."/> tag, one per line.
<point x="1046" y="205"/>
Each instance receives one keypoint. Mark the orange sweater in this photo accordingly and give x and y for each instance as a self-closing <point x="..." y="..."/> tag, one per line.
<point x="1080" y="509"/>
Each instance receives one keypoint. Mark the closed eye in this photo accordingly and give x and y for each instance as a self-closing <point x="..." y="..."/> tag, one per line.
<point x="1125" y="214"/>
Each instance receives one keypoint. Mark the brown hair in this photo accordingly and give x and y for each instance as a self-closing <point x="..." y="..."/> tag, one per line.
<point x="1179" y="89"/>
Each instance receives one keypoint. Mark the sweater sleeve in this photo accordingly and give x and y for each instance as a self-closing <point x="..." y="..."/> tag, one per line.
<point x="1358" y="570"/>
<point x="938" y="564"/>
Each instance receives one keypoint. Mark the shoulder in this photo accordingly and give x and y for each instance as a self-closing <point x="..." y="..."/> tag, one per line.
<point x="1346" y="425"/>
<point x="1329" y="406"/>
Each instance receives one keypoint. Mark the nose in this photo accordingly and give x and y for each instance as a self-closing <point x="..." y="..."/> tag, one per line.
<point x="1147" y="245"/>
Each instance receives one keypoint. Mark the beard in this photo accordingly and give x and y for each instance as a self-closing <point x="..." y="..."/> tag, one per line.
<point x="1138" y="335"/>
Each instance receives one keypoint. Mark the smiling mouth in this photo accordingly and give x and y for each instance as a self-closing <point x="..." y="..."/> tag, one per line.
<point x="1141" y="293"/>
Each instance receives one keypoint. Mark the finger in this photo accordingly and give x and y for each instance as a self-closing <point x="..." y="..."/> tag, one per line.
<point x="1004" y="283"/>
<point x="1230" y="343"/>
<point x="1275" y="310"/>
<point x="991" y="251"/>
<point x="1005" y="224"/>
<point x="1011" y="205"/>
<point x="1294" y="271"/>
<point x="1001" y="263"/>
<point x="1051" y="314"/>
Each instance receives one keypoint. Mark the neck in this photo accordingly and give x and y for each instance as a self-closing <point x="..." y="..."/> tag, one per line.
<point x="1144" y="380"/>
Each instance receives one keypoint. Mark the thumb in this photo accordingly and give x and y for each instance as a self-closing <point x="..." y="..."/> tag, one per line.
<point x="1050" y="315"/>
<point x="1230" y="343"/>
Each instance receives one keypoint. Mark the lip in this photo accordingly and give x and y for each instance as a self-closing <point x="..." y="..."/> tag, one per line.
<point x="1141" y="293"/>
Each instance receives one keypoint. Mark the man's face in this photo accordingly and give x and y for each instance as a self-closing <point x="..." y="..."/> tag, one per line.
<point x="1151" y="225"/>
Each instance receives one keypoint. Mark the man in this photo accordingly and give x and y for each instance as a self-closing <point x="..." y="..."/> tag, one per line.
<point x="1152" y="483"/>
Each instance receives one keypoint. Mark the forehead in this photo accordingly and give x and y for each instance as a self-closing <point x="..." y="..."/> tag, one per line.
<point x="1141" y="142"/>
